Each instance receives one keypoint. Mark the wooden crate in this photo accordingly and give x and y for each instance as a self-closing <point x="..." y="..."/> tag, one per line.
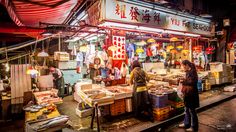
<point x="118" y="107"/>
<point x="162" y="111"/>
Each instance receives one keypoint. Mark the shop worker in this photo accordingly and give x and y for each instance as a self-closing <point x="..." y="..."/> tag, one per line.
<point x="141" y="102"/>
<point x="190" y="96"/>
<point x="58" y="80"/>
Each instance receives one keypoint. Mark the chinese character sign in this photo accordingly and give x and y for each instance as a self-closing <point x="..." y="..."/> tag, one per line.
<point x="124" y="11"/>
<point x="146" y="16"/>
<point x="119" y="43"/>
<point x="120" y="10"/>
<point x="134" y="13"/>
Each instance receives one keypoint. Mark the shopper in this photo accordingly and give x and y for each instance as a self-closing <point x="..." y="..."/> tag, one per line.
<point x="141" y="102"/>
<point x="190" y="96"/>
<point x="58" y="80"/>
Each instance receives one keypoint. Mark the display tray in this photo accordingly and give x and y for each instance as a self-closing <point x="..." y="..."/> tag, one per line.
<point x="119" y="92"/>
<point x="47" y="97"/>
<point x="33" y="116"/>
<point x="101" y="101"/>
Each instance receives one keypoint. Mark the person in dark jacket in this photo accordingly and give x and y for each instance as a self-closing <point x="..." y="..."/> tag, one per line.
<point x="190" y="96"/>
<point x="58" y="80"/>
<point x="141" y="101"/>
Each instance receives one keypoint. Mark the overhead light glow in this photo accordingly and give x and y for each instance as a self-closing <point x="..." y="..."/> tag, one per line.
<point x="192" y="35"/>
<point x="147" y="29"/>
<point x="43" y="54"/>
<point x="113" y="24"/>
<point x="174" y="32"/>
<point x="150" y="29"/>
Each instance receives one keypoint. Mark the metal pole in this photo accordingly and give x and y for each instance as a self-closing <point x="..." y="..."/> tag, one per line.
<point x="59" y="42"/>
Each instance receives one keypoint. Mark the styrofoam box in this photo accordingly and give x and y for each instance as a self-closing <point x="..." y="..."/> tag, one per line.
<point x="84" y="113"/>
<point x="218" y="66"/>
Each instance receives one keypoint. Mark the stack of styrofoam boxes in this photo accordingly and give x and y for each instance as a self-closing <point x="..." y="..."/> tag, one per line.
<point x="222" y="72"/>
<point x="218" y="69"/>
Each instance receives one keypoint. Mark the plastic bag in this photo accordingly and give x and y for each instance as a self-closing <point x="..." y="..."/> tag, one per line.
<point x="179" y="90"/>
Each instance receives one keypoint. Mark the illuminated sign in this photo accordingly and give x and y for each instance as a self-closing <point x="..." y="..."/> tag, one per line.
<point x="156" y="17"/>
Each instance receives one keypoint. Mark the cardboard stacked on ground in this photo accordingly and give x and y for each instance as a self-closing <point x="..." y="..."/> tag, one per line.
<point x="222" y="72"/>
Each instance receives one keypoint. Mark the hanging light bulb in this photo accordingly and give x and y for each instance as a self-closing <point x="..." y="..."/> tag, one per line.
<point x="7" y="67"/>
<point x="31" y="71"/>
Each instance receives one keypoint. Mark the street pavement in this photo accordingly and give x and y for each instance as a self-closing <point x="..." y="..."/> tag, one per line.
<point x="216" y="119"/>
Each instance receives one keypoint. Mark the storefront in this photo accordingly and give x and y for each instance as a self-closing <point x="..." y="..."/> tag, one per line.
<point x="160" y="39"/>
<point x="97" y="67"/>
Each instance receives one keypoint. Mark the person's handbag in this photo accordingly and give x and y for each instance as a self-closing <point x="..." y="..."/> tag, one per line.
<point x="187" y="90"/>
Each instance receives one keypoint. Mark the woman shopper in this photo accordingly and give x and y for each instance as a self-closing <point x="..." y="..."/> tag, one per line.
<point x="190" y="96"/>
<point x="141" y="102"/>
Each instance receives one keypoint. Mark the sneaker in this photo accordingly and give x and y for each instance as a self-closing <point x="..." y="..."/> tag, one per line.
<point x="189" y="130"/>
<point x="181" y="125"/>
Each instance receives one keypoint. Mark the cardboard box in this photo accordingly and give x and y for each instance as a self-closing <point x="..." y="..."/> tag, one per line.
<point x="219" y="81"/>
<point x="217" y="75"/>
<point x="61" y="56"/>
<point x="225" y="79"/>
<point x="212" y="81"/>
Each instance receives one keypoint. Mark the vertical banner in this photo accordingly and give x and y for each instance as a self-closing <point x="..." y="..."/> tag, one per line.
<point x="119" y="43"/>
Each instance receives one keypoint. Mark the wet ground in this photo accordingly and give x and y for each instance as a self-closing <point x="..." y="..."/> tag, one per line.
<point x="216" y="119"/>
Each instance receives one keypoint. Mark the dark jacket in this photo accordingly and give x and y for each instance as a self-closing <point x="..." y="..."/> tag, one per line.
<point x="191" y="99"/>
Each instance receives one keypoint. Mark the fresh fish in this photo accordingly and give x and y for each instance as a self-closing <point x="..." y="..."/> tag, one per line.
<point x="54" y="122"/>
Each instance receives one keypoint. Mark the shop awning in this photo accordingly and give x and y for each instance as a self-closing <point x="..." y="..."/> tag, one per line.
<point x="31" y="12"/>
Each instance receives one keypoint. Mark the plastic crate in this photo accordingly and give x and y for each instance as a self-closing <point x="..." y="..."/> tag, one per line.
<point x="161" y="117"/>
<point x="162" y="111"/>
<point x="177" y="104"/>
<point x="174" y="97"/>
<point x="159" y="101"/>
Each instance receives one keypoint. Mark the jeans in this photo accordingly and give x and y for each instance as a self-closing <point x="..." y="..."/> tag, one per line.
<point x="191" y="117"/>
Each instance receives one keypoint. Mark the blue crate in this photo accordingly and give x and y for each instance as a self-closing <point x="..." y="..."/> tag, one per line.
<point x="159" y="101"/>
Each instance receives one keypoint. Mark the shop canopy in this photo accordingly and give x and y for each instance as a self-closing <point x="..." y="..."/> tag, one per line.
<point x="31" y="12"/>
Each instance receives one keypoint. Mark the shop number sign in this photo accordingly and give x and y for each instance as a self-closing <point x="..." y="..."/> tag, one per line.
<point x="119" y="43"/>
<point x="122" y="11"/>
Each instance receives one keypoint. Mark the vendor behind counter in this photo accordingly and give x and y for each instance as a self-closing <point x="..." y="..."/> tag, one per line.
<point x="58" y="80"/>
